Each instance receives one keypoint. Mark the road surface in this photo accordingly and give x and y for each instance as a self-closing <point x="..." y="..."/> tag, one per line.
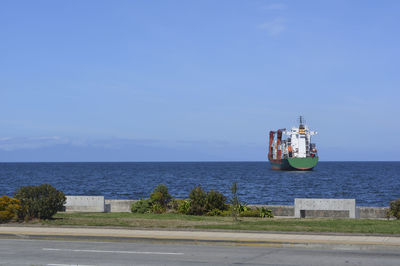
<point x="61" y="252"/>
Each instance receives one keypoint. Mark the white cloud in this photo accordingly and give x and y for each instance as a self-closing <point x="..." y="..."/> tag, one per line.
<point x="21" y="143"/>
<point x="10" y="144"/>
<point x="274" y="27"/>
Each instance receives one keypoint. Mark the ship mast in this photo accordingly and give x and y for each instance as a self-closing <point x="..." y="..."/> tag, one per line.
<point x="301" y="122"/>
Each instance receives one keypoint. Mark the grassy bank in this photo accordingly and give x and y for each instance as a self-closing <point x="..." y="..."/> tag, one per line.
<point x="178" y="221"/>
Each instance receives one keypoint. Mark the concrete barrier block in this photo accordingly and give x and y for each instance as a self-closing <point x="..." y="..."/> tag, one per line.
<point x="303" y="205"/>
<point x="84" y="204"/>
<point x="118" y="205"/>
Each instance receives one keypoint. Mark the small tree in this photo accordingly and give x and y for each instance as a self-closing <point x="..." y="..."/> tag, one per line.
<point x="394" y="209"/>
<point x="160" y="198"/>
<point x="141" y="206"/>
<point x="197" y="201"/>
<point x="235" y="203"/>
<point x="40" y="201"/>
<point x="215" y="200"/>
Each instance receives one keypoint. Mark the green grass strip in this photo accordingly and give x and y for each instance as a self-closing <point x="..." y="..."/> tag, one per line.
<point x="175" y="221"/>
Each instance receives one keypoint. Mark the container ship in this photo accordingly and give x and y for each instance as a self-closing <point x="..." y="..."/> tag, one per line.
<point x="292" y="150"/>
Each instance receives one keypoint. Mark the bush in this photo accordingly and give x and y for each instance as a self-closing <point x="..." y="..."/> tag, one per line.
<point x="250" y="213"/>
<point x="243" y="208"/>
<point x="40" y="201"/>
<point x="266" y="213"/>
<point x="263" y="213"/>
<point x="214" y="212"/>
<point x="174" y="204"/>
<point x="198" y="201"/>
<point x="394" y="209"/>
<point x="157" y="208"/>
<point x="215" y="200"/>
<point x="184" y="207"/>
<point x="227" y="212"/>
<point x="181" y="206"/>
<point x="160" y="197"/>
<point x="141" y="206"/>
<point x="9" y="209"/>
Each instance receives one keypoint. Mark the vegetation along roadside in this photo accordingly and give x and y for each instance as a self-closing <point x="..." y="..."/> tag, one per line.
<point x="202" y="210"/>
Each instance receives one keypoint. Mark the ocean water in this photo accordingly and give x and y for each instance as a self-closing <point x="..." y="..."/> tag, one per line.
<point x="370" y="183"/>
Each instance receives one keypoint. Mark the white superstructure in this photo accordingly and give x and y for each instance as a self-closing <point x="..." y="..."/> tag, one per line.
<point x="297" y="143"/>
<point x="299" y="138"/>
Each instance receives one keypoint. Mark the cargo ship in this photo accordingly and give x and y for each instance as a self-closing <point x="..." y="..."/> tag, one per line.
<point x="292" y="150"/>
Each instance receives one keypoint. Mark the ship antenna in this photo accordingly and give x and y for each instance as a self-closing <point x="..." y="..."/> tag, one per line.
<point x="301" y="122"/>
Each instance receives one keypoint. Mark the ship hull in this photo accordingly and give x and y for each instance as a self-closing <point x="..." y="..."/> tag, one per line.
<point x="294" y="164"/>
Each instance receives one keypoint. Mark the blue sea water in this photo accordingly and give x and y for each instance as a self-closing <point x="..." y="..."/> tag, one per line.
<point x="370" y="183"/>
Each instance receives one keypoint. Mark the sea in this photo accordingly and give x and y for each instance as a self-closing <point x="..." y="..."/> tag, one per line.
<point x="370" y="183"/>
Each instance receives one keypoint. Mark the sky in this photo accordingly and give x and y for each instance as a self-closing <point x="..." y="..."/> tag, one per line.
<point x="197" y="80"/>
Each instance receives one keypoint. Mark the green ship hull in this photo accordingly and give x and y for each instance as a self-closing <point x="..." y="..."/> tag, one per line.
<point x="299" y="164"/>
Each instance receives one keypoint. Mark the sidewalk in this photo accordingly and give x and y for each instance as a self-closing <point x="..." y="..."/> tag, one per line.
<point x="241" y="238"/>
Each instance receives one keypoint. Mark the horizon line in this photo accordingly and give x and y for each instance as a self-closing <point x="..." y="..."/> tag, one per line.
<point x="195" y="161"/>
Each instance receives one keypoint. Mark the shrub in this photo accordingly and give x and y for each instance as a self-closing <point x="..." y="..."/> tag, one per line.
<point x="215" y="200"/>
<point x="40" y="201"/>
<point x="263" y="213"/>
<point x="184" y="207"/>
<point x="198" y="201"/>
<point x="160" y="197"/>
<point x="250" y="213"/>
<point x="214" y="212"/>
<point x="181" y="206"/>
<point x="141" y="206"/>
<point x="227" y="212"/>
<point x="157" y="208"/>
<point x="394" y="209"/>
<point x="266" y="213"/>
<point x="243" y="208"/>
<point x="173" y="204"/>
<point x="9" y="209"/>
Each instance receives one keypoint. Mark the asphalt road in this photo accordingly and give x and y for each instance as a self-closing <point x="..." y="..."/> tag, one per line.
<point x="58" y="253"/>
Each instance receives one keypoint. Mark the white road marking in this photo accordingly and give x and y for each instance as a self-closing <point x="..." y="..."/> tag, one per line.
<point x="112" y="251"/>
<point x="68" y="265"/>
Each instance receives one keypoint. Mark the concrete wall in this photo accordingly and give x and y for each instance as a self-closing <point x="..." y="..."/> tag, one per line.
<point x="278" y="210"/>
<point x="361" y="212"/>
<point x="98" y="204"/>
<point x="303" y="205"/>
<point x="118" y="205"/>
<point x="84" y="204"/>
<point x="364" y="212"/>
<point x="372" y="212"/>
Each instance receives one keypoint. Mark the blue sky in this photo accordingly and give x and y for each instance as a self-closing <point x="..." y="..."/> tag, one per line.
<point x="196" y="80"/>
